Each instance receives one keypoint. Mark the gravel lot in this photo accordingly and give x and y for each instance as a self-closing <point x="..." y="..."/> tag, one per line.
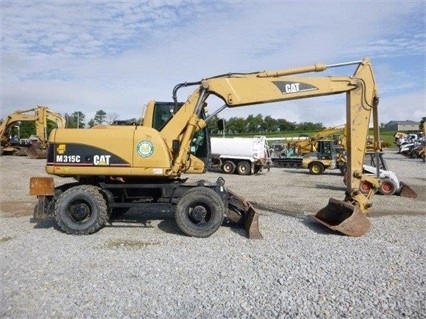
<point x="299" y="270"/>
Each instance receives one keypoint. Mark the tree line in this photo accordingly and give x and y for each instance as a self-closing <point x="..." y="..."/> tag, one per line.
<point x="252" y="124"/>
<point x="234" y="125"/>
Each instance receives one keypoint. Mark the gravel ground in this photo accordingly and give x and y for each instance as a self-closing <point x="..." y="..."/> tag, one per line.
<point x="299" y="270"/>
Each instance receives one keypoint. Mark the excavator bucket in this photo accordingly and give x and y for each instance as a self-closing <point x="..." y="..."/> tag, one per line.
<point x="407" y="191"/>
<point x="35" y="152"/>
<point x="240" y="211"/>
<point x="343" y="217"/>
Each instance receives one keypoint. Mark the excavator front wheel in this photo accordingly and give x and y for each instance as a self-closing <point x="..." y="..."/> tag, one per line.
<point x="200" y="212"/>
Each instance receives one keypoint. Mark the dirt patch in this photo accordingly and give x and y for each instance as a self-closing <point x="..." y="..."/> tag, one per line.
<point x="124" y="243"/>
<point x="17" y="208"/>
<point x="5" y="239"/>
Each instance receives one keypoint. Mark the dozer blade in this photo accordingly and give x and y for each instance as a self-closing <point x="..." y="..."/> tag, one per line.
<point x="407" y="191"/>
<point x="241" y="211"/>
<point x="343" y="217"/>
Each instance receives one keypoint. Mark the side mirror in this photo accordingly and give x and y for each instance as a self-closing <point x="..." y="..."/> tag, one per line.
<point x="221" y="124"/>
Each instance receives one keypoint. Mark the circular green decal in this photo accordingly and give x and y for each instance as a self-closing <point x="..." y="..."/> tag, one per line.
<point x="145" y="148"/>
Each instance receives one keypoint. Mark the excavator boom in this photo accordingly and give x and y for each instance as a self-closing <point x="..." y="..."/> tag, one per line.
<point x="236" y="90"/>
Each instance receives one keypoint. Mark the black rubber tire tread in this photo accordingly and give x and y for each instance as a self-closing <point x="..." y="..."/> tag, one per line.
<point x="228" y="167"/>
<point x="316" y="168"/>
<point x="389" y="182"/>
<point x="93" y="197"/>
<point x="243" y="168"/>
<point x="207" y="197"/>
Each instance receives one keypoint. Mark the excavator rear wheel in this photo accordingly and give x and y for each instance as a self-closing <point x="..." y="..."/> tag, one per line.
<point x="200" y="212"/>
<point x="81" y="210"/>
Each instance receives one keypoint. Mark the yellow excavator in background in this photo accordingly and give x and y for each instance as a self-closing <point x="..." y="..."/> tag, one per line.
<point x="122" y="167"/>
<point x="337" y="134"/>
<point x="37" y="145"/>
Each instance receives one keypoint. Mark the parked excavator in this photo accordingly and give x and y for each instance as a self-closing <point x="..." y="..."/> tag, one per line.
<point x="316" y="153"/>
<point x="141" y="167"/>
<point x="36" y="146"/>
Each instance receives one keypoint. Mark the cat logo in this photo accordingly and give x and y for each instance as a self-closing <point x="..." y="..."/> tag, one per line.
<point x="102" y="160"/>
<point x="292" y="88"/>
<point x="61" y="149"/>
<point x="287" y="87"/>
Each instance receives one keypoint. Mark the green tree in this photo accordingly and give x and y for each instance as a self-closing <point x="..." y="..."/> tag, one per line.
<point x="284" y="125"/>
<point x="235" y="125"/>
<point x="76" y="120"/>
<point x="100" y="117"/>
<point x="254" y="123"/>
<point x="309" y="126"/>
<point x="269" y="124"/>
<point x="91" y="123"/>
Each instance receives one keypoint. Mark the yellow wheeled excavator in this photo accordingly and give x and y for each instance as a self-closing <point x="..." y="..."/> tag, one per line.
<point x="122" y="167"/>
<point x="35" y="148"/>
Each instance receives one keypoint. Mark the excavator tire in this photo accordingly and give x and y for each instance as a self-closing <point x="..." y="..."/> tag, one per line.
<point x="200" y="212"/>
<point x="228" y="167"/>
<point x="81" y="210"/>
<point x="316" y="168"/>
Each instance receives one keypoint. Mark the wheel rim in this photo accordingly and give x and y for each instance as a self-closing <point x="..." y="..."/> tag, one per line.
<point x="79" y="211"/>
<point x="243" y="168"/>
<point x="315" y="169"/>
<point x="227" y="168"/>
<point x="199" y="214"/>
<point x="364" y="187"/>
<point x="387" y="187"/>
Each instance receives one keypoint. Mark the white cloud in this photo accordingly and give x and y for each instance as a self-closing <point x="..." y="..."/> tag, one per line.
<point x="118" y="55"/>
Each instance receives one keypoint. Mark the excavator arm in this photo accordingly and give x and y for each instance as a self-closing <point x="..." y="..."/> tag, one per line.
<point x="237" y="90"/>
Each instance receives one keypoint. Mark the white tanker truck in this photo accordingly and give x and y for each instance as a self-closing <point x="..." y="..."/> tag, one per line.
<point x="241" y="155"/>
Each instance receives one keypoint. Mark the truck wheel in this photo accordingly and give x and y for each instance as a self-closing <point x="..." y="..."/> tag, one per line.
<point x="200" y="212"/>
<point x="316" y="168"/>
<point x="243" y="168"/>
<point x="81" y="210"/>
<point x="228" y="167"/>
<point x="388" y="187"/>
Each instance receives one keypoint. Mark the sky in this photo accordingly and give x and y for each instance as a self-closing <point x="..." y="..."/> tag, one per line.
<point x="117" y="55"/>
